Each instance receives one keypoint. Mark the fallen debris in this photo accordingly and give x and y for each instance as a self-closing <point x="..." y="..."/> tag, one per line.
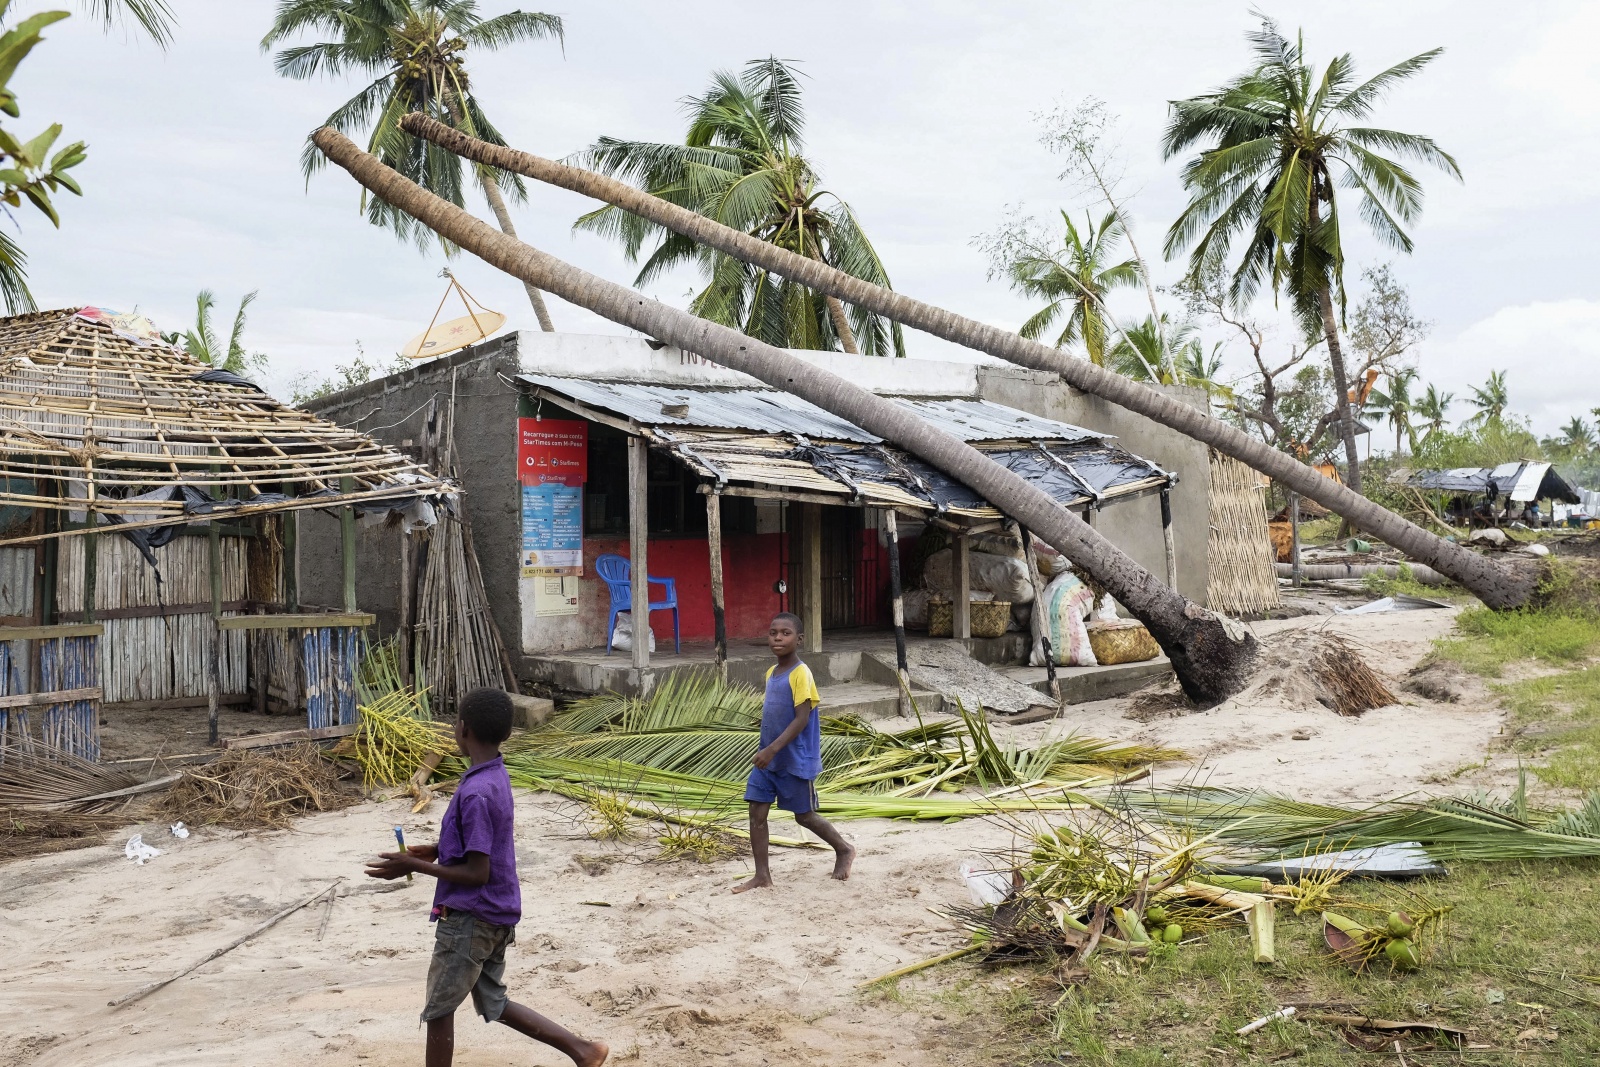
<point x="254" y="788"/>
<point x="144" y="991"/>
<point x="36" y="831"/>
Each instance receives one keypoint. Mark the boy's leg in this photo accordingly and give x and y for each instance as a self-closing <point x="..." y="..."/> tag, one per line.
<point x="758" y="848"/>
<point x="441" y="1041"/>
<point x="844" y="852"/>
<point x="525" y="1020"/>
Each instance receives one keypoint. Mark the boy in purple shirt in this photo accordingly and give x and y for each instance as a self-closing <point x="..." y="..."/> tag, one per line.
<point x="478" y="900"/>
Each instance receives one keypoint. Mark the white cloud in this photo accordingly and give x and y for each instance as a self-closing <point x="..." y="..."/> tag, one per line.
<point x="1550" y="351"/>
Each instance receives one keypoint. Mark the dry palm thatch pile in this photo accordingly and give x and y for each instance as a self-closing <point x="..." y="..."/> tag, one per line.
<point x="36" y="831"/>
<point x="255" y="789"/>
<point x="48" y="777"/>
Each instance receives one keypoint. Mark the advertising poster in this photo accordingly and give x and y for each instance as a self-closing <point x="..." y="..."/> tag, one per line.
<point x="552" y="450"/>
<point x="552" y="529"/>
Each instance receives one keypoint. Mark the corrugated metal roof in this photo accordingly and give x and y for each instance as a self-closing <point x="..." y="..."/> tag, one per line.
<point x="770" y="411"/>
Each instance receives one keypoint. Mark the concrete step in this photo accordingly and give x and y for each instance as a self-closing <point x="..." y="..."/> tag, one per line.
<point x="1079" y="685"/>
<point x="865" y="699"/>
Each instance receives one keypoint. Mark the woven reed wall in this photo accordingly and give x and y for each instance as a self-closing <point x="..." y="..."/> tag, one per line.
<point x="1243" y="578"/>
<point x="163" y="657"/>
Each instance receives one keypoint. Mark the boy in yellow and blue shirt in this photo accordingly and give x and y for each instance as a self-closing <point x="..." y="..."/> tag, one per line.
<point x="790" y="758"/>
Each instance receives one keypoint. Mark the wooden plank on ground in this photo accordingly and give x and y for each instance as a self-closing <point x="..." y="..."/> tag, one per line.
<point x="289" y="737"/>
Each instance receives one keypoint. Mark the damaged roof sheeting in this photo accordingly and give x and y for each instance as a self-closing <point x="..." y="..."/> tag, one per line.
<point x="1520" y="481"/>
<point x="733" y="437"/>
<point x="98" y="415"/>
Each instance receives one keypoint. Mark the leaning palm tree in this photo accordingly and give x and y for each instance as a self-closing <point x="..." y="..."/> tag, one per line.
<point x="1075" y="281"/>
<point x="203" y="343"/>
<point x="1396" y="404"/>
<point x="1491" y="399"/>
<point x="417" y="50"/>
<point x="1274" y="142"/>
<point x="1499" y="583"/>
<point x="741" y="164"/>
<point x="1211" y="656"/>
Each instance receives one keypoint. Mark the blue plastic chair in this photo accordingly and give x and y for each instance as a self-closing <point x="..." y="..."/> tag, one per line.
<point x="617" y="572"/>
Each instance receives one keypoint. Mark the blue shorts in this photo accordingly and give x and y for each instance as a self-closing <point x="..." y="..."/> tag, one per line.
<point x="792" y="792"/>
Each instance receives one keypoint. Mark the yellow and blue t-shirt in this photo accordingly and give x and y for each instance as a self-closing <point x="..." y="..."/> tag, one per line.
<point x="787" y="690"/>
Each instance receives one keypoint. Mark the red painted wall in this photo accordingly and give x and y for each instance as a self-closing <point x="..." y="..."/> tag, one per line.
<point x="749" y="567"/>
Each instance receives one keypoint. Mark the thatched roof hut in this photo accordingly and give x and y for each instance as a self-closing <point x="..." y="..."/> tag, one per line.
<point x="104" y="428"/>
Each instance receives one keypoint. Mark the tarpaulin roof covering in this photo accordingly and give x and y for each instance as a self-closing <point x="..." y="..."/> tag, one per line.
<point x="1520" y="481"/>
<point x="97" y="414"/>
<point x="801" y="449"/>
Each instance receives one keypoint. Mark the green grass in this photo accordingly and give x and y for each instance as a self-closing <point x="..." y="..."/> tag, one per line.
<point x="1323" y="531"/>
<point x="1487" y="641"/>
<point x="1558" y="720"/>
<point x="1506" y="966"/>
<point x="1406" y="584"/>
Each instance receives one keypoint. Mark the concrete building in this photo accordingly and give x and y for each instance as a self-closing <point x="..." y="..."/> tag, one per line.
<point x="706" y="431"/>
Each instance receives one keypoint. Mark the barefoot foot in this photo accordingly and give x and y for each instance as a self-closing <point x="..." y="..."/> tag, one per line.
<point x="594" y="1056"/>
<point x="760" y="881"/>
<point x="841" y="865"/>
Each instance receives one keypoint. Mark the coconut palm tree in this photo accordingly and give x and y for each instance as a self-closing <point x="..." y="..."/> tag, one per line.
<point x="1137" y="352"/>
<point x="1273" y="144"/>
<point x="203" y="344"/>
<point x="154" y="17"/>
<point x="1075" y="281"/>
<point x="741" y="164"/>
<point x="1576" y="436"/>
<point x="1499" y="583"/>
<point x="417" y="52"/>
<point x="1432" y="409"/>
<point x="1397" y="405"/>
<point x="1210" y="656"/>
<point x="1491" y="399"/>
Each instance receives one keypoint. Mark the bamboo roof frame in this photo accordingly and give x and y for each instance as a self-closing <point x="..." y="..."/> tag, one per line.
<point x="83" y="403"/>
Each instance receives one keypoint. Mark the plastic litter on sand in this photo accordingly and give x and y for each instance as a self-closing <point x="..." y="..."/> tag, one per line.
<point x="137" y="851"/>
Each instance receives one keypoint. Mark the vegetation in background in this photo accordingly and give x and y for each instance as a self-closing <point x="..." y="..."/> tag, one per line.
<point x="311" y="386"/>
<point x="742" y="164"/>
<point x="203" y="344"/>
<point x="416" y="51"/>
<point x="1273" y="144"/>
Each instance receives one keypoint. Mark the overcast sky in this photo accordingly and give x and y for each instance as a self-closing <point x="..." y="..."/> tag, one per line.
<point x="921" y="115"/>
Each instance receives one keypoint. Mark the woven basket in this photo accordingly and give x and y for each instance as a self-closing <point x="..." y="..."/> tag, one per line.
<point x="989" y="617"/>
<point x="1122" y="641"/>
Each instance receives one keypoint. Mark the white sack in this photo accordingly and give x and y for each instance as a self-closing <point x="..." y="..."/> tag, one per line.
<point x="622" y="637"/>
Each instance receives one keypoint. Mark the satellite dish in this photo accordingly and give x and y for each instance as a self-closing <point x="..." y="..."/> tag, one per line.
<point x="469" y="329"/>
<point x="445" y="337"/>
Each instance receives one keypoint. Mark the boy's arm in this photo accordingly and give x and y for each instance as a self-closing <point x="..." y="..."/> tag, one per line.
<point x="472" y="871"/>
<point x="802" y="714"/>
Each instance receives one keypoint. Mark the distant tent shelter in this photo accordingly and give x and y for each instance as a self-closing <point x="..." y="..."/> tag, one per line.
<point x="1518" y="482"/>
<point x="104" y="429"/>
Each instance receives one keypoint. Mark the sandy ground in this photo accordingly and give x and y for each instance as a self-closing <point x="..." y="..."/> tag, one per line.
<point x="675" y="971"/>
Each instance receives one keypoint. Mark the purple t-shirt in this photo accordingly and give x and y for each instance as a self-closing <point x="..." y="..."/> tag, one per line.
<point x="479" y="819"/>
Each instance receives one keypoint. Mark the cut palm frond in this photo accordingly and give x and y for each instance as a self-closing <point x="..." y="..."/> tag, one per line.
<point x="1448" y="828"/>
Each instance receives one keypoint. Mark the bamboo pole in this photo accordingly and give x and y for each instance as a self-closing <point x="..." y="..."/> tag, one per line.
<point x="291" y="560"/>
<point x="1037" y="622"/>
<point x="214" y="656"/>
<point x="714" y="547"/>
<point x="897" y="602"/>
<point x="1294" y="536"/>
<point x="1166" y="539"/>
<point x="638" y="551"/>
<point x="403" y="608"/>
<point x="347" y="545"/>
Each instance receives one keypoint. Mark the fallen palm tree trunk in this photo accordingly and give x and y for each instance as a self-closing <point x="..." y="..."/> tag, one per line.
<point x="1210" y="655"/>
<point x="1327" y="572"/>
<point x="1498" y="585"/>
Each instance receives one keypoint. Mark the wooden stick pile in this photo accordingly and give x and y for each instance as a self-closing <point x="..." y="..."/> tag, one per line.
<point x="458" y="647"/>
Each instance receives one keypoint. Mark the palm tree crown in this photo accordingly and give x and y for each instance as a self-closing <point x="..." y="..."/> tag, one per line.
<point x="1075" y="280"/>
<point x="203" y="344"/>
<point x="741" y="164"/>
<point x="1396" y="404"/>
<point x="1491" y="399"/>
<point x="1275" y="146"/>
<point x="1432" y="408"/>
<point x="417" y="49"/>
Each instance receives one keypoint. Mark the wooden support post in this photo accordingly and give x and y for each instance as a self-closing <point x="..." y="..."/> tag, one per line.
<point x="891" y="531"/>
<point x="638" y="550"/>
<point x="91" y="565"/>
<point x="961" y="574"/>
<point x="811" y="568"/>
<point x="403" y="607"/>
<point x="347" y="544"/>
<point x="291" y="560"/>
<point x="214" y="660"/>
<point x="1294" y="537"/>
<point x="714" y="546"/>
<point x="1166" y="539"/>
<point x="1038" y="623"/>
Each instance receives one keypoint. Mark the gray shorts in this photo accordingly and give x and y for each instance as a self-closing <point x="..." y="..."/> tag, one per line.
<point x="469" y="956"/>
